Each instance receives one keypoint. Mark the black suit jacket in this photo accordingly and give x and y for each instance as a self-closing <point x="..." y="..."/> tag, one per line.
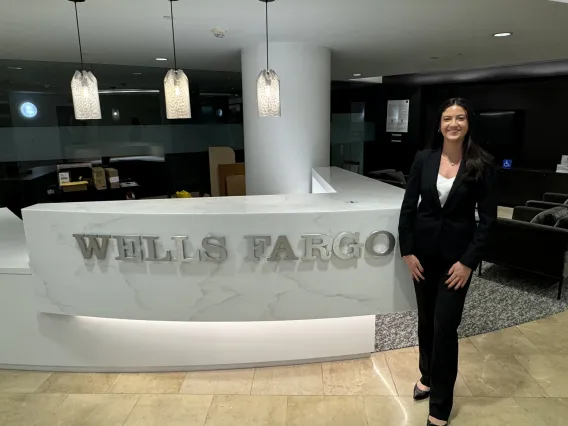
<point x="449" y="231"/>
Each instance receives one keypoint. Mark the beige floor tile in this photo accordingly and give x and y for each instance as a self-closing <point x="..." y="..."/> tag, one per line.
<point x="508" y="341"/>
<point x="246" y="410"/>
<point x="94" y="410"/>
<point x="29" y="410"/>
<point x="561" y="317"/>
<point x="325" y="411"/>
<point x="395" y="411"/>
<point x="550" y="372"/>
<point x="289" y="380"/>
<point x="497" y="375"/>
<point x="546" y="320"/>
<point x="14" y="381"/>
<point x="488" y="412"/>
<point x="77" y="383"/>
<point x="367" y="376"/>
<point x="550" y="337"/>
<point x="148" y="383"/>
<point x="408" y="350"/>
<point x="225" y="382"/>
<point x="405" y="373"/>
<point x="545" y="411"/>
<point x="467" y="347"/>
<point x="170" y="410"/>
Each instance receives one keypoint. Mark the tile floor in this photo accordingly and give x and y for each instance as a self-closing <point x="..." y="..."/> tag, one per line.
<point x="517" y="376"/>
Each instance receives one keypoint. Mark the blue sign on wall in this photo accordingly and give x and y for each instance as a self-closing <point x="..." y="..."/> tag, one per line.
<point x="507" y="164"/>
<point x="28" y="110"/>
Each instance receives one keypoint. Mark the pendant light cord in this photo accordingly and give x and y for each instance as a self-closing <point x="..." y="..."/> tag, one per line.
<point x="79" y="36"/>
<point x="173" y="32"/>
<point x="267" y="66"/>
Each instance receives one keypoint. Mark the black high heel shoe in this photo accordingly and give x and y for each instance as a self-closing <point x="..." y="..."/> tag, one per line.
<point x="429" y="423"/>
<point x="419" y="394"/>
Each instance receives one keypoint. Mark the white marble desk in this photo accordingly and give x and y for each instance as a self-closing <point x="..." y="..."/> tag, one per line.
<point x="244" y="308"/>
<point x="14" y="257"/>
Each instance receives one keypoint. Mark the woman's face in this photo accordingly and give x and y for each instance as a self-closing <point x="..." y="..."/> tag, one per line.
<point x="454" y="124"/>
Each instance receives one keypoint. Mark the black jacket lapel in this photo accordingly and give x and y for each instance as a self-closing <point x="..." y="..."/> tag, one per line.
<point x="432" y="171"/>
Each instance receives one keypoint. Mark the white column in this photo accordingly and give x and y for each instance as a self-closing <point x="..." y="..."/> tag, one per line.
<point x="281" y="152"/>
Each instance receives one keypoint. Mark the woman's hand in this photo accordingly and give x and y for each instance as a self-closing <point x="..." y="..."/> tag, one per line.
<point x="459" y="274"/>
<point x="414" y="267"/>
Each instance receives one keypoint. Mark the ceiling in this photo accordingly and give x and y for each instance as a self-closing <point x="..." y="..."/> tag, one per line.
<point x="371" y="37"/>
<point x="55" y="77"/>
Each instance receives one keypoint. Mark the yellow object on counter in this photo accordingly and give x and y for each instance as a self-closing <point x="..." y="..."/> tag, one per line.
<point x="81" y="182"/>
<point x="183" y="194"/>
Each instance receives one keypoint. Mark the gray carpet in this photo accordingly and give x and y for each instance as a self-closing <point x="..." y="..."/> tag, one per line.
<point x="502" y="297"/>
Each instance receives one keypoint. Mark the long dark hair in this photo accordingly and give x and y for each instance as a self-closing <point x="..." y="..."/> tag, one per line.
<point x="475" y="157"/>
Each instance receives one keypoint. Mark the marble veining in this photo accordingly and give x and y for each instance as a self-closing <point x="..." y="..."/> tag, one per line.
<point x="14" y="257"/>
<point x="236" y="289"/>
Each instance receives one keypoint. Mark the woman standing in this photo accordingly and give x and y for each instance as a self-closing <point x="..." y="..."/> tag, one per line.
<point x="441" y="244"/>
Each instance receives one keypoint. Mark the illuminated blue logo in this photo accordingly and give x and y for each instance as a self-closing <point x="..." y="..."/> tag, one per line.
<point x="28" y="110"/>
<point x="507" y="164"/>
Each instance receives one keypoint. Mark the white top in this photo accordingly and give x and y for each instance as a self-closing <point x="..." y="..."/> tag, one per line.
<point x="444" y="186"/>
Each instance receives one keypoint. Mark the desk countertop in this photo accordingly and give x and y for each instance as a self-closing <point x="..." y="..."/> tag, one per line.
<point x="14" y="257"/>
<point x="352" y="193"/>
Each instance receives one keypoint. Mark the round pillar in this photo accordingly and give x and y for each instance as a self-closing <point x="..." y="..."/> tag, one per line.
<point x="280" y="152"/>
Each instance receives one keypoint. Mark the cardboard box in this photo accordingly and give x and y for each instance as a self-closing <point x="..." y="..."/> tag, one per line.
<point x="112" y="177"/>
<point x="99" y="178"/>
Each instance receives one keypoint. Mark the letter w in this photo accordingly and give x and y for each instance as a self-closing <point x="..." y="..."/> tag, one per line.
<point x="93" y="245"/>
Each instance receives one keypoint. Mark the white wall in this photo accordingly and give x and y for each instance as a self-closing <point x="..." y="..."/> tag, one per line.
<point x="281" y="152"/>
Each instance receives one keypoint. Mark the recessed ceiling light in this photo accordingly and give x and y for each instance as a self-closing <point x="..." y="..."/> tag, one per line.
<point x="14" y="68"/>
<point x="357" y="74"/>
<point x="502" y="34"/>
<point x="161" y="59"/>
<point x="137" y="73"/>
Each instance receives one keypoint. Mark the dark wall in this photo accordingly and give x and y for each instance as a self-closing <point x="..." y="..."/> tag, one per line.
<point x="542" y="103"/>
<point x="382" y="152"/>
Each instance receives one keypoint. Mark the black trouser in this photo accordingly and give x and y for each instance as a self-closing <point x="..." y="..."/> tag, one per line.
<point x="439" y="315"/>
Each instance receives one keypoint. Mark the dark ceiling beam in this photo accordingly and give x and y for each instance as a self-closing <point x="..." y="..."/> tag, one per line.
<point x="531" y="70"/>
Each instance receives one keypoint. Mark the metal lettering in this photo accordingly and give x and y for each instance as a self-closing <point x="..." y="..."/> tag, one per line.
<point x="370" y="244"/>
<point x="256" y="246"/>
<point x="180" y="251"/>
<point x="152" y="254"/>
<point x="214" y="244"/>
<point x="345" y="246"/>
<point x="93" y="245"/>
<point x="354" y="247"/>
<point x="129" y="247"/>
<point x="282" y="247"/>
<point x="317" y="242"/>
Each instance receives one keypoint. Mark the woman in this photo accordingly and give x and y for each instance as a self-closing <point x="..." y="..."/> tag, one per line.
<point x="441" y="244"/>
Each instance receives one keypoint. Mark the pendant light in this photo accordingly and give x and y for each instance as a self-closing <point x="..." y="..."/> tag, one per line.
<point x="84" y="86"/>
<point x="176" y="85"/>
<point x="268" y="84"/>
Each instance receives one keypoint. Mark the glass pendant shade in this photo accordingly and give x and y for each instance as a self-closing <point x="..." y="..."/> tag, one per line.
<point x="85" y="92"/>
<point x="176" y="90"/>
<point x="268" y="94"/>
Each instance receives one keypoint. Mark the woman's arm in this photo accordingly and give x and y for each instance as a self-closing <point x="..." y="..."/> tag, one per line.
<point x="409" y="207"/>
<point x="487" y="210"/>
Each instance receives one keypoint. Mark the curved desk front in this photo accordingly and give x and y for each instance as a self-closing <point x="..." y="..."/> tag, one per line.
<point x="205" y="283"/>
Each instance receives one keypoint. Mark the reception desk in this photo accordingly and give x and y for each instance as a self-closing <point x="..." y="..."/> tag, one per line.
<point x="203" y="283"/>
